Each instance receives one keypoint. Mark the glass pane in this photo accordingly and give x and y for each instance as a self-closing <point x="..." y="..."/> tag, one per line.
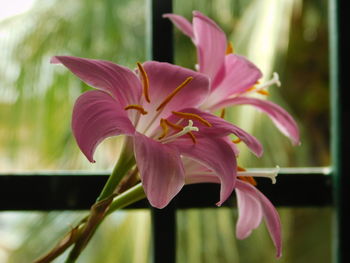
<point x="123" y="237"/>
<point x="291" y="38"/>
<point x="36" y="97"/>
<point x="208" y="235"/>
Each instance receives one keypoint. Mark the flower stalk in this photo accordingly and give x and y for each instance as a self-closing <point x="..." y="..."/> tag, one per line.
<point x="125" y="162"/>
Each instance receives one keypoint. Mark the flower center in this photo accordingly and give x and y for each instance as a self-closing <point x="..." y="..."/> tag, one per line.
<point x="169" y="131"/>
<point x="185" y="130"/>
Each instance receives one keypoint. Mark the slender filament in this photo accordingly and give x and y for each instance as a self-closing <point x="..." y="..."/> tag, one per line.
<point x="174" y="92"/>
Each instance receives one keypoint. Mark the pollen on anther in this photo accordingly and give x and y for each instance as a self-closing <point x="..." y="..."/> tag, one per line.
<point x="263" y="92"/>
<point x="194" y="116"/>
<point x="229" y="48"/>
<point x="145" y="81"/>
<point x="238" y="140"/>
<point x="223" y="113"/>
<point x="248" y="179"/>
<point x="136" y="107"/>
<point x="241" y="169"/>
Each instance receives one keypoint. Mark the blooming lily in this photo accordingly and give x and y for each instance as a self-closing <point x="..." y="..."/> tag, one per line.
<point x="232" y="77"/>
<point x="156" y="108"/>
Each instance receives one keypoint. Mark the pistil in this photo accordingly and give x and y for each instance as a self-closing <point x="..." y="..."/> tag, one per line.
<point x="274" y="80"/>
<point x="265" y="174"/>
<point x="186" y="130"/>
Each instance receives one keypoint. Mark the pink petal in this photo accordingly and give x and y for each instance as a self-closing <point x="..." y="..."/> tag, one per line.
<point x="164" y="78"/>
<point x="96" y="116"/>
<point x="270" y="213"/>
<point x="181" y="23"/>
<point x="119" y="81"/>
<point x="161" y="170"/>
<point x="215" y="154"/>
<point x="282" y="119"/>
<point x="211" y="45"/>
<point x="220" y="128"/>
<point x="240" y="74"/>
<point x="249" y="213"/>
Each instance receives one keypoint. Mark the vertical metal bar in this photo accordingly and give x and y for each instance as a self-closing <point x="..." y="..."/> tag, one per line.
<point x="164" y="234"/>
<point x="160" y="48"/>
<point x="340" y="128"/>
<point x="161" y="31"/>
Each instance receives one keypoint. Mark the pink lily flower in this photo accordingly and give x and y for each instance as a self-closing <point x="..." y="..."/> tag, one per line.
<point x="232" y="77"/>
<point x="155" y="108"/>
<point x="252" y="205"/>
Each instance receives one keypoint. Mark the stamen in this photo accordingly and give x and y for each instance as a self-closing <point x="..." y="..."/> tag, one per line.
<point x="187" y="129"/>
<point x="229" y="48"/>
<point x="223" y="113"/>
<point x="241" y="169"/>
<point x="173" y="125"/>
<point x="248" y="179"/>
<point x="192" y="137"/>
<point x="145" y="82"/>
<point x="136" y="107"/>
<point x="174" y="92"/>
<point x="238" y="140"/>
<point x="263" y="92"/>
<point x="165" y="128"/>
<point x="186" y="115"/>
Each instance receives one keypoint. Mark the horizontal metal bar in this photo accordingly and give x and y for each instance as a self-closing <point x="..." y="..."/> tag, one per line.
<point x="69" y="190"/>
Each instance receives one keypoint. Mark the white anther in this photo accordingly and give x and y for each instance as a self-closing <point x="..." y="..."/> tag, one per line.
<point x="185" y="130"/>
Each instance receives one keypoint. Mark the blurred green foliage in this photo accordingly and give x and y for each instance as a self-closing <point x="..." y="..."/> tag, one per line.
<point x="36" y="101"/>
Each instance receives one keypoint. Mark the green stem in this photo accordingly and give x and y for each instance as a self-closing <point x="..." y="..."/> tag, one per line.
<point x="134" y="194"/>
<point x="69" y="260"/>
<point x="124" y="164"/>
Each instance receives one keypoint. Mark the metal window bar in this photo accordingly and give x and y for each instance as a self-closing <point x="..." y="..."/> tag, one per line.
<point x="46" y="191"/>
<point x="340" y="115"/>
